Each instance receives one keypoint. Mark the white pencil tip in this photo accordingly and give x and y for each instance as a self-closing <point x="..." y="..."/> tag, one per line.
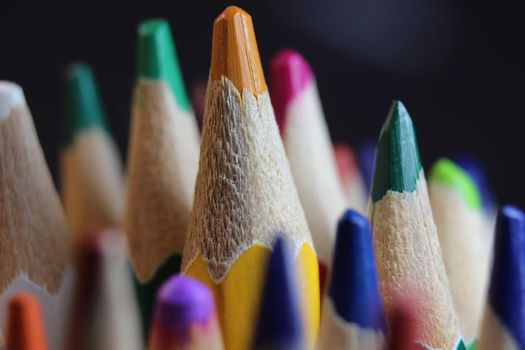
<point x="11" y="95"/>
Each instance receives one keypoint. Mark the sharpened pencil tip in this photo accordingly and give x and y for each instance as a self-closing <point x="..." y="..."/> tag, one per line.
<point x="11" y="95"/>
<point x="354" y="287"/>
<point x="279" y="323"/>
<point x="449" y="174"/>
<point x="397" y="163"/>
<point x="157" y="58"/>
<point x="289" y="75"/>
<point x="83" y="106"/>
<point x="234" y="51"/>
<point x="506" y="292"/>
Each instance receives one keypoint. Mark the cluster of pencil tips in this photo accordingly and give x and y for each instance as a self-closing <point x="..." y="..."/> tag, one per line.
<point x="254" y="213"/>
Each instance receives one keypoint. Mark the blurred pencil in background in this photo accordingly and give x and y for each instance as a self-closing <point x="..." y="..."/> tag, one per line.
<point x="351" y="178"/>
<point x="457" y="211"/>
<point x="504" y="319"/>
<point x="162" y="164"/>
<point x="308" y="147"/>
<point x="91" y="176"/>
<point x="104" y="314"/>
<point x="185" y="317"/>
<point x="35" y="247"/>
<point x="245" y="195"/>
<point x="279" y="322"/>
<point x="406" y="243"/>
<point x="352" y="314"/>
<point x="25" y="325"/>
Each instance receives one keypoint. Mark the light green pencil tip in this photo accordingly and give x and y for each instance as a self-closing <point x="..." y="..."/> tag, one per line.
<point x="82" y="104"/>
<point x="158" y="59"/>
<point x="397" y="164"/>
<point x="448" y="173"/>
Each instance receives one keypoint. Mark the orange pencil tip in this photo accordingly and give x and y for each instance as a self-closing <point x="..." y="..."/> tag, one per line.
<point x="234" y="51"/>
<point x="25" y="329"/>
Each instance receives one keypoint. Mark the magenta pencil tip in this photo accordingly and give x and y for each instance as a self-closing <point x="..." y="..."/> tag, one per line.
<point x="181" y="302"/>
<point x="289" y="75"/>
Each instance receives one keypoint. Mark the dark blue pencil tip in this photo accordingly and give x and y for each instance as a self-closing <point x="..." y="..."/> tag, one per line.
<point x="475" y="168"/>
<point x="365" y="156"/>
<point x="354" y="288"/>
<point x="279" y="324"/>
<point x="507" y="284"/>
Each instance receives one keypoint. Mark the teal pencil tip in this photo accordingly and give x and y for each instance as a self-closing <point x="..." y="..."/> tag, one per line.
<point x="449" y="174"/>
<point x="397" y="163"/>
<point x="157" y="58"/>
<point x="83" y="106"/>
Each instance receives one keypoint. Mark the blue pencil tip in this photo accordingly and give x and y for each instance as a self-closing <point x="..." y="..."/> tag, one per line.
<point x="507" y="284"/>
<point x="475" y="168"/>
<point x="365" y="156"/>
<point x="354" y="288"/>
<point x="279" y="324"/>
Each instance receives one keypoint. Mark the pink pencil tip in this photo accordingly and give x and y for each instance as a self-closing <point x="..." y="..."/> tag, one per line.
<point x="346" y="161"/>
<point x="289" y="75"/>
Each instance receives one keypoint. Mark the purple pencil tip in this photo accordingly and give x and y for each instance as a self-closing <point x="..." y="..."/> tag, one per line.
<point x="181" y="302"/>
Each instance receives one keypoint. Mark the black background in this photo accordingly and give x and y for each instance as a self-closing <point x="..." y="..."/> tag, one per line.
<point x="457" y="66"/>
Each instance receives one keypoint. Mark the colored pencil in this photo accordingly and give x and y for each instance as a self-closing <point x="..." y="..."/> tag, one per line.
<point x="163" y="154"/>
<point x="35" y="247"/>
<point x="104" y="314"/>
<point x="307" y="143"/>
<point x="185" y="317"/>
<point x="503" y="324"/>
<point x="351" y="178"/>
<point x="352" y="314"/>
<point x="245" y="194"/>
<point x="162" y="164"/>
<point x="406" y="243"/>
<point x="90" y="168"/>
<point x="457" y="211"/>
<point x="279" y="324"/>
<point x="25" y="326"/>
<point x="365" y="152"/>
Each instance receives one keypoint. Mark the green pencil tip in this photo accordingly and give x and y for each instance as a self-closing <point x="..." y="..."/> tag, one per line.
<point x="158" y="58"/>
<point x="82" y="105"/>
<point x="447" y="173"/>
<point x="397" y="164"/>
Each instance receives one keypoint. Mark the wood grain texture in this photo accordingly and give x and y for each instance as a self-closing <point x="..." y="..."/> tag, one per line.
<point x="309" y="150"/>
<point x="33" y="230"/>
<point x="92" y="185"/>
<point x="162" y="167"/>
<point x="245" y="192"/>
<point x="409" y="257"/>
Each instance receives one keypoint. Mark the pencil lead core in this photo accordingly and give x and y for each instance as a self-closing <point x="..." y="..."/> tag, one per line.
<point x="234" y="52"/>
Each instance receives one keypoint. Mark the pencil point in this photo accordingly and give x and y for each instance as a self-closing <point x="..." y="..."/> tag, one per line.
<point x="506" y="291"/>
<point x="83" y="106"/>
<point x="403" y="325"/>
<point x="234" y="52"/>
<point x="474" y="167"/>
<point x="279" y="322"/>
<point x="290" y="73"/>
<point x="181" y="302"/>
<point x="11" y="95"/>
<point x="447" y="173"/>
<point x="354" y="287"/>
<point x="397" y="163"/>
<point x="25" y="329"/>
<point x="158" y="58"/>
